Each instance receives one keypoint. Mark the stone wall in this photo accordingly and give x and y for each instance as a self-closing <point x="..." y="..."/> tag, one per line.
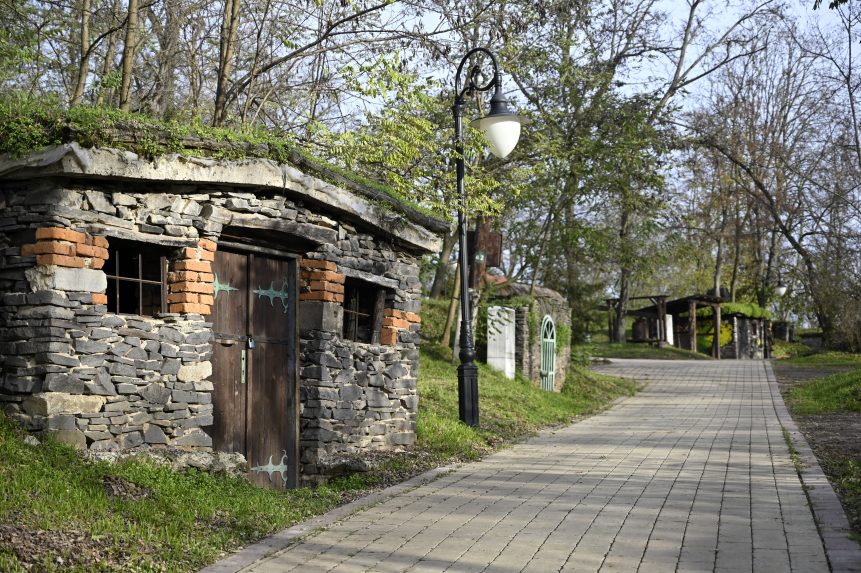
<point x="105" y="381"/>
<point x="528" y="351"/>
<point x="748" y="338"/>
<point x="527" y="325"/>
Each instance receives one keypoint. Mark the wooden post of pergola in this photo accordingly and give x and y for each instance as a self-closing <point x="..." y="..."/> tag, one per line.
<point x="661" y="306"/>
<point x="692" y="324"/>
<point x="716" y="343"/>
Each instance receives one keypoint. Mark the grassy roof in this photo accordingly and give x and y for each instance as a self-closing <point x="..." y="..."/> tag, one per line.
<point x="745" y="309"/>
<point x="28" y="125"/>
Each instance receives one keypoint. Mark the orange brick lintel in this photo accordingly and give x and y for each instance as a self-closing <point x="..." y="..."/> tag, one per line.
<point x="322" y="296"/>
<point x="396" y="322"/>
<point x="329" y="276"/>
<point x="207" y="245"/>
<point x="71" y="236"/>
<point x="190" y="307"/>
<point x="403" y="315"/>
<point x="54" y="247"/>
<point x="318" y="264"/>
<point x="325" y="286"/>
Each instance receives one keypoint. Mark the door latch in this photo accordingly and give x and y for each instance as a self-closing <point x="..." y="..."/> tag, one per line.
<point x="242" y="365"/>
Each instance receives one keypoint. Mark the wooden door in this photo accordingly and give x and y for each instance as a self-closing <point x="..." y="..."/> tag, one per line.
<point x="256" y="394"/>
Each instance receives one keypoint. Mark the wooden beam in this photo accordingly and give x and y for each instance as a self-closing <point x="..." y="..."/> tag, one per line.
<point x="692" y="324"/>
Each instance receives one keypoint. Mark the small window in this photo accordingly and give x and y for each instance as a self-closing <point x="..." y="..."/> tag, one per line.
<point x="363" y="311"/>
<point x="136" y="275"/>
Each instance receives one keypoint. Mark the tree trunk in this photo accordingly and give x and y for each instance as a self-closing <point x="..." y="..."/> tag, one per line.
<point x="440" y="277"/>
<point x="736" y="257"/>
<point x="167" y="32"/>
<point x="129" y="56"/>
<point x="227" y="48"/>
<point x="620" y="325"/>
<point x="719" y="255"/>
<point x="84" y="62"/>
<point x="452" y="308"/>
<point x="109" y="56"/>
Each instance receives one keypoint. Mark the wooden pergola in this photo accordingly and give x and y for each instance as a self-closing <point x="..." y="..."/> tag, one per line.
<point x="661" y="307"/>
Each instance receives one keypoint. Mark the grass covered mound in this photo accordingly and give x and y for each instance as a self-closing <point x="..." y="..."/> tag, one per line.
<point x="835" y="393"/>
<point x="508" y="409"/>
<point x="60" y="512"/>
<point x="641" y="351"/>
<point x="28" y="124"/>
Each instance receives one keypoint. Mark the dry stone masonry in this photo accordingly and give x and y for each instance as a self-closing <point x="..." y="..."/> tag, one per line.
<point x="112" y="381"/>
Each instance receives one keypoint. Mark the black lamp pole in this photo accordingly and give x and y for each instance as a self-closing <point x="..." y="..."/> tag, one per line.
<point x="467" y="372"/>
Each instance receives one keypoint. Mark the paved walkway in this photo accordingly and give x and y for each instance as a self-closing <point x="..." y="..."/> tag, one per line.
<point x="692" y="474"/>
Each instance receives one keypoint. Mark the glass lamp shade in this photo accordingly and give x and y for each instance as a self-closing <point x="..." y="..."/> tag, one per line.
<point x="780" y="290"/>
<point x="502" y="132"/>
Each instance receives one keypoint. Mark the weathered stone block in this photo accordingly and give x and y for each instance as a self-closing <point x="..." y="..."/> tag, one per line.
<point x="64" y="383"/>
<point x="121" y="406"/>
<point x="377" y="398"/>
<point x="48" y="403"/>
<point x="130" y="440"/>
<point x="194" y="372"/>
<point x="351" y="392"/>
<point x="396" y="370"/>
<point x="403" y="438"/>
<point x="67" y="279"/>
<point x="193" y="437"/>
<point x="153" y="434"/>
<point x="155" y="394"/>
<point x="105" y="445"/>
<point x="74" y="438"/>
<point x="61" y="422"/>
<point x="22" y="384"/>
<point x="191" y="397"/>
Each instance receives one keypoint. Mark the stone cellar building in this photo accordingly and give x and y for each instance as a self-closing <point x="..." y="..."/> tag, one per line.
<point x="213" y="306"/>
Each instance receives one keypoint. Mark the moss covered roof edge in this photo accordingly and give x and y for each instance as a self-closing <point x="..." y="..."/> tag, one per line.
<point x="72" y="160"/>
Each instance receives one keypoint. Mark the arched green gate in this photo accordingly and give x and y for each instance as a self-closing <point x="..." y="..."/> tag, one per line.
<point x="548" y="354"/>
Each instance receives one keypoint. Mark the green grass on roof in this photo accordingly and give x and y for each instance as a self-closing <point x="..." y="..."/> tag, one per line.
<point x="28" y="125"/>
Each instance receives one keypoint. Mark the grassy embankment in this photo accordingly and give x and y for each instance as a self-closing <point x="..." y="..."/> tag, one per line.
<point x="826" y="400"/>
<point x="633" y="350"/>
<point x="56" y="512"/>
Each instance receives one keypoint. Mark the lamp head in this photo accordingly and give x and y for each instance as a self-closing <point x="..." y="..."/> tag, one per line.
<point x="501" y="126"/>
<point x="780" y="290"/>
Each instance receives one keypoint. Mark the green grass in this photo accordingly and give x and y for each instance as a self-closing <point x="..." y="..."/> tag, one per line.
<point x="835" y="393"/>
<point x="830" y="358"/>
<point x="189" y="518"/>
<point x="782" y="350"/>
<point x="508" y="409"/>
<point x="632" y="350"/>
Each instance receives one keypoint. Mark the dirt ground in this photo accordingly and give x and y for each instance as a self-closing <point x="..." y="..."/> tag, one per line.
<point x="835" y="438"/>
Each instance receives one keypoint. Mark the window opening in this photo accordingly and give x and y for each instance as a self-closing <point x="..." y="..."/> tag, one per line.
<point x="136" y="275"/>
<point x="363" y="311"/>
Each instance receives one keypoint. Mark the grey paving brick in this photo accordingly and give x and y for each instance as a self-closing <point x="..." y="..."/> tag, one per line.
<point x="691" y="475"/>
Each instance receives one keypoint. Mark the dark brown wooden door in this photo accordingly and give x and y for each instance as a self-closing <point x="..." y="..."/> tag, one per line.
<point x="256" y="395"/>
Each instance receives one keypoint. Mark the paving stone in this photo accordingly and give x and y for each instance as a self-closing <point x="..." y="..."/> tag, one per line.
<point x="692" y="474"/>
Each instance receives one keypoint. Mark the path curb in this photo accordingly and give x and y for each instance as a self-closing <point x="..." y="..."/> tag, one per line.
<point x="252" y="553"/>
<point x="844" y="554"/>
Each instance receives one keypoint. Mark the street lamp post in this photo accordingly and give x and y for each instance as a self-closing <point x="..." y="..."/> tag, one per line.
<point x="502" y="129"/>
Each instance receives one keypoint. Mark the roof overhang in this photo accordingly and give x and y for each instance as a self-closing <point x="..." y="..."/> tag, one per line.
<point x="75" y="162"/>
